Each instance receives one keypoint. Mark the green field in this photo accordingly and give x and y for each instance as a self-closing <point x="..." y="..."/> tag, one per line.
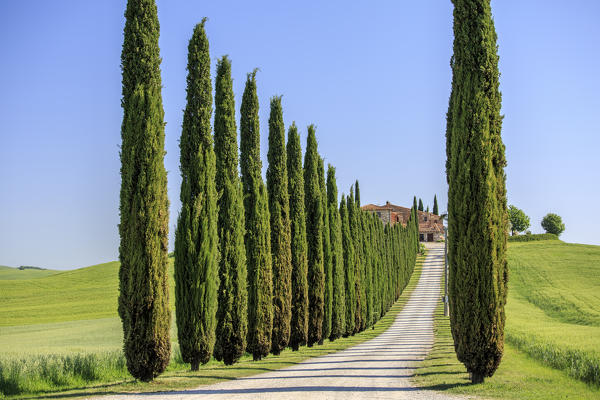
<point x="9" y="273"/>
<point x="552" y="331"/>
<point x="62" y="332"/>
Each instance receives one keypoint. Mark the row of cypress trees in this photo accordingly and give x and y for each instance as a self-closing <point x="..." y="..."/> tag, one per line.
<point x="258" y="267"/>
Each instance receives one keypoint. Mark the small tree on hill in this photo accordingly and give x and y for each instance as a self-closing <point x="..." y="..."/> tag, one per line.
<point x="552" y="223"/>
<point x="517" y="219"/>
<point x="435" y="205"/>
<point x="420" y="205"/>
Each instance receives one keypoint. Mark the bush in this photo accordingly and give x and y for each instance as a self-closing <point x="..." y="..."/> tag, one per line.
<point x="532" y="238"/>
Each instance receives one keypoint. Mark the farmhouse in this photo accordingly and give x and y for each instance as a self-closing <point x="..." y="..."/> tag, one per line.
<point x="431" y="228"/>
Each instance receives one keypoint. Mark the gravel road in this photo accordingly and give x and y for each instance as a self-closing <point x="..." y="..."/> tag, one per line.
<point x="378" y="369"/>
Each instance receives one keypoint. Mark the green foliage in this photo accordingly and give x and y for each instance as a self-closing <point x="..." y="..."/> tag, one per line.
<point x="477" y="223"/>
<point x="196" y="239"/>
<point x="144" y="205"/>
<point x="532" y="238"/>
<point x="232" y="311"/>
<point x="517" y="219"/>
<point x="348" y="254"/>
<point x="327" y="257"/>
<point x="355" y="234"/>
<point x="314" y="235"/>
<point x="552" y="223"/>
<point x="299" y="320"/>
<point x="279" y="207"/>
<point x="338" y="308"/>
<point x="420" y="205"/>
<point x="258" y="232"/>
<point x="435" y="205"/>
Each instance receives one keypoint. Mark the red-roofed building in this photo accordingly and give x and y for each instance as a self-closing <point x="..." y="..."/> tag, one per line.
<point x="431" y="227"/>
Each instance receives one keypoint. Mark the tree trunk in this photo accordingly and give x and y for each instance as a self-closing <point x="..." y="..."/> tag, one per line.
<point x="476" y="377"/>
<point x="195" y="365"/>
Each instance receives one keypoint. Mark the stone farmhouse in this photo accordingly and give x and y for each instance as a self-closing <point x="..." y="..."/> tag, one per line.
<point x="431" y="227"/>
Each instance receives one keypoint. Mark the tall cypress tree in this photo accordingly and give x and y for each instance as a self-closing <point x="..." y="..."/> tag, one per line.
<point x="420" y="205"/>
<point x="415" y="202"/>
<point x="196" y="239"/>
<point x="314" y="236"/>
<point x="144" y="205"/>
<point x="327" y="257"/>
<point x="258" y="232"/>
<point x="357" y="194"/>
<point x="279" y="207"/>
<point x="357" y="245"/>
<point x="299" y="321"/>
<point x="435" y="205"/>
<point x="232" y="317"/>
<point x="348" y="254"/>
<point x="338" y="308"/>
<point x="477" y="215"/>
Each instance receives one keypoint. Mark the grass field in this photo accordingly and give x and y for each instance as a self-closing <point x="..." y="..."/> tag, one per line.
<point x="9" y="273"/>
<point x="82" y="356"/>
<point x="552" y="335"/>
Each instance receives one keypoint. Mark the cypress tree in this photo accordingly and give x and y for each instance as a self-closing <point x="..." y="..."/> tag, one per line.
<point x="357" y="246"/>
<point x="314" y="236"/>
<point x="299" y="321"/>
<point x="357" y="194"/>
<point x="435" y="205"/>
<point x="232" y="311"/>
<point x="338" y="308"/>
<point x="415" y="202"/>
<point x="368" y="281"/>
<point x="477" y="215"/>
<point x="420" y="205"/>
<point x="348" y="254"/>
<point x="144" y="205"/>
<point x="279" y="207"/>
<point x="196" y="240"/>
<point x="258" y="232"/>
<point x="327" y="258"/>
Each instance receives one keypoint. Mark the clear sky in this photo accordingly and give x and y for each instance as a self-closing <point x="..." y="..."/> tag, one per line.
<point x="373" y="76"/>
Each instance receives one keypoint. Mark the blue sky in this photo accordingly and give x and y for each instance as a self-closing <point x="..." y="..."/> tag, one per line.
<point x="374" y="78"/>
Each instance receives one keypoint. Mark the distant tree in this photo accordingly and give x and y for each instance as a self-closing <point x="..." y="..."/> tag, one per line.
<point x="478" y="220"/>
<point x="348" y="254"/>
<point x="299" y="320"/>
<point x="338" y="313"/>
<point x="357" y="194"/>
<point x="420" y="205"/>
<point x="232" y="311"/>
<point x="427" y="210"/>
<point x="517" y="219"/>
<point x="196" y="240"/>
<point x="435" y="205"/>
<point x="258" y="232"/>
<point x="552" y="223"/>
<point x="327" y="257"/>
<point x="279" y="207"/>
<point x="415" y="202"/>
<point x="144" y="205"/>
<point x="314" y="235"/>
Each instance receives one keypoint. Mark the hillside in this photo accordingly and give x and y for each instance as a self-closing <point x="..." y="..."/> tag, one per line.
<point x="10" y="273"/>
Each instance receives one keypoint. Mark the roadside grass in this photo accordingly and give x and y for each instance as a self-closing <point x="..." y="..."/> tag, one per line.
<point x="48" y="376"/>
<point x="535" y="342"/>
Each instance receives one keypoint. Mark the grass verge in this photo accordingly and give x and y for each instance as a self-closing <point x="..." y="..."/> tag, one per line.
<point x="519" y="376"/>
<point x="41" y="376"/>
